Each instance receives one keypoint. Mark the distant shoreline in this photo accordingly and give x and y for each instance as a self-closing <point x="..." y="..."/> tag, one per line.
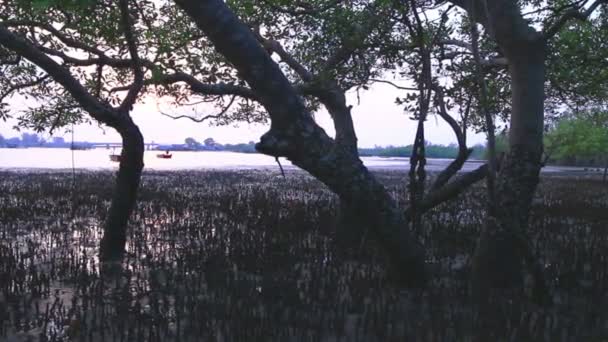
<point x="237" y="163"/>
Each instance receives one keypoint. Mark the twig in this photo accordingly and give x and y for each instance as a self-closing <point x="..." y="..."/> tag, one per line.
<point x="204" y="118"/>
<point x="375" y="80"/>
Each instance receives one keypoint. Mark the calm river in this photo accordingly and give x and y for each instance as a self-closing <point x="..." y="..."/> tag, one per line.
<point x="59" y="158"/>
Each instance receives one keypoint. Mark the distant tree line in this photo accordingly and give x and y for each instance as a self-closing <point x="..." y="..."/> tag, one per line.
<point x="190" y="144"/>
<point x="432" y="151"/>
<point x="34" y="140"/>
<point x="209" y="144"/>
<point x="580" y="139"/>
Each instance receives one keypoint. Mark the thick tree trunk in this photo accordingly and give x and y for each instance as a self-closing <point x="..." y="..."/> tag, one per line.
<point x="125" y="192"/>
<point x="503" y="247"/>
<point x="369" y="203"/>
<point x="295" y="135"/>
<point x="127" y="182"/>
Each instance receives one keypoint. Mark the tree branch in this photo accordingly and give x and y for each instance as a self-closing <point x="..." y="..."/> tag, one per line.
<point x="138" y="82"/>
<point x="295" y="135"/>
<point x="100" y="111"/>
<point x="197" y="86"/>
<point x="101" y="60"/>
<point x="573" y="13"/>
<point x="62" y="37"/>
<point x="375" y="80"/>
<point x="276" y="47"/>
<point x="204" y="118"/>
<point x="451" y="190"/>
<point x="16" y="87"/>
<point x="463" y="152"/>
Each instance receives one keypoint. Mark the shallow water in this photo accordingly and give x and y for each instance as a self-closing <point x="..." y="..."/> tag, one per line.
<point x="249" y="256"/>
<point x="98" y="159"/>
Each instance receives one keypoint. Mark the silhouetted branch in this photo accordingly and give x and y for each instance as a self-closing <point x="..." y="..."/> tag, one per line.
<point x="451" y="189"/>
<point x="55" y="32"/>
<point x="138" y="82"/>
<point x="375" y="80"/>
<point x="573" y="13"/>
<point x="20" y="86"/>
<point x="463" y="152"/>
<point x="204" y="118"/>
<point x="197" y="86"/>
<point x="276" y="47"/>
<point x="100" y="111"/>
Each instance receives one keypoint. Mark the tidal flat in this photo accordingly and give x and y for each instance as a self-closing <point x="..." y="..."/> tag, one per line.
<point x="251" y="256"/>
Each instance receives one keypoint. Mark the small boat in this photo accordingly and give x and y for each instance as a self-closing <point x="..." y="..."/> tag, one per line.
<point x="114" y="157"/>
<point x="165" y="155"/>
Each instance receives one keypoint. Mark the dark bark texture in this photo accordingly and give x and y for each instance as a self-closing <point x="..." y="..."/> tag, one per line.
<point x="124" y="196"/>
<point x="503" y="247"/>
<point x="131" y="165"/>
<point x="295" y="135"/>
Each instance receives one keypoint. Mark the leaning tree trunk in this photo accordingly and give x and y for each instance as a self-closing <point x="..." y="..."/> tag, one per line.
<point x="295" y="135"/>
<point x="503" y="248"/>
<point x="127" y="183"/>
<point x="125" y="192"/>
<point x="362" y="196"/>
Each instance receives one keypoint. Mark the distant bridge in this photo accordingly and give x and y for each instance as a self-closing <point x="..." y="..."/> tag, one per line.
<point x="148" y="146"/>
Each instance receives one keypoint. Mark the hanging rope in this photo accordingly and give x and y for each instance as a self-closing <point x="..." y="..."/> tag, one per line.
<point x="73" y="176"/>
<point x="280" y="166"/>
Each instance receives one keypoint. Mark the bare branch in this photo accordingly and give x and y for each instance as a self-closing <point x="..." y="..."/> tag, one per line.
<point x="198" y="87"/>
<point x="375" y="80"/>
<point x="463" y="151"/>
<point x="451" y="190"/>
<point x="573" y="13"/>
<point x="204" y="118"/>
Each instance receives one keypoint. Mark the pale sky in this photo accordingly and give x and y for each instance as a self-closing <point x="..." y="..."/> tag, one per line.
<point x="378" y="121"/>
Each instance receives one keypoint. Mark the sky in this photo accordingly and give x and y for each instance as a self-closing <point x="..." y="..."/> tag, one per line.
<point x="377" y="119"/>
